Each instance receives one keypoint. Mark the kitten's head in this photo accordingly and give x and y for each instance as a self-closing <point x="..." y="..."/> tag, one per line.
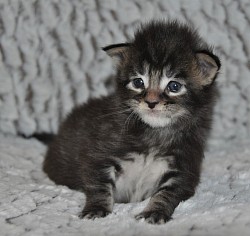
<point x="165" y="73"/>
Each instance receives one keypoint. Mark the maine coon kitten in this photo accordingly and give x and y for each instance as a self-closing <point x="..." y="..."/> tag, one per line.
<point x="146" y="139"/>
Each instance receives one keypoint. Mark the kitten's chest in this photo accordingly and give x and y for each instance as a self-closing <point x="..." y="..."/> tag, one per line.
<point x="139" y="177"/>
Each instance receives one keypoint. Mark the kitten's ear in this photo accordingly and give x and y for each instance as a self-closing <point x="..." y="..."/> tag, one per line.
<point x="118" y="52"/>
<point x="208" y="67"/>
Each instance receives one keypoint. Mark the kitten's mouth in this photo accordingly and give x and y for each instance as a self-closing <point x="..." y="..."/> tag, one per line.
<point x="153" y="112"/>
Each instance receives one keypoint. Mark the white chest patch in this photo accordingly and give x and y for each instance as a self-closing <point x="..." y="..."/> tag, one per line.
<point x="140" y="177"/>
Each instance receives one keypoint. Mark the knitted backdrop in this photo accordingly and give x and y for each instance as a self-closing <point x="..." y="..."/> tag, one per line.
<point x="51" y="57"/>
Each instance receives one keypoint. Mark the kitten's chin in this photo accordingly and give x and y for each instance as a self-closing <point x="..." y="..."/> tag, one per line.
<point x="155" y="120"/>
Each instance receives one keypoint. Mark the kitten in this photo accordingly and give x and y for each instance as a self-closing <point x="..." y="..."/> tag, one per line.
<point x="146" y="139"/>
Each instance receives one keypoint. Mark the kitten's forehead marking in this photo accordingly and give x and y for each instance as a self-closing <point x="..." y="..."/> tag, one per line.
<point x="153" y="76"/>
<point x="154" y="79"/>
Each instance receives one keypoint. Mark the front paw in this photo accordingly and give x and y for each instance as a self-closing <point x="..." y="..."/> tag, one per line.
<point x="153" y="217"/>
<point x="93" y="214"/>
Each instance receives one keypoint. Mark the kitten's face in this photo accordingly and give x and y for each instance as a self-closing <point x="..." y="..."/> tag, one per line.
<point x="157" y="97"/>
<point x="165" y="74"/>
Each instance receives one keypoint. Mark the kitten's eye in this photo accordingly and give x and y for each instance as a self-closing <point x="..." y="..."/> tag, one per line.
<point x="138" y="83"/>
<point x="174" y="86"/>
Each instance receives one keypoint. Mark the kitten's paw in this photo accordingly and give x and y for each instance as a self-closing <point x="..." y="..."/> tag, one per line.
<point x="93" y="214"/>
<point x="153" y="217"/>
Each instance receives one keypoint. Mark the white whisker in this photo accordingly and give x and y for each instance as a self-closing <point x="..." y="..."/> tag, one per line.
<point x="126" y="124"/>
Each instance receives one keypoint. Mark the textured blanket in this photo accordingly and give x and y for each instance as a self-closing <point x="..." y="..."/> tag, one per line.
<point x="30" y="204"/>
<point x="51" y="57"/>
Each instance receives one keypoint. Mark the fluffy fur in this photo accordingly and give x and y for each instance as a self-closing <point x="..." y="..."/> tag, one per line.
<point x="142" y="141"/>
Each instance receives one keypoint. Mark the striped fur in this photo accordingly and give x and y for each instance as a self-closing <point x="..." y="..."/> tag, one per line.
<point x="147" y="141"/>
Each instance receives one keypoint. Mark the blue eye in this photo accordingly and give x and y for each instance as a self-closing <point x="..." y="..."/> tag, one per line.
<point x="174" y="86"/>
<point x="138" y="83"/>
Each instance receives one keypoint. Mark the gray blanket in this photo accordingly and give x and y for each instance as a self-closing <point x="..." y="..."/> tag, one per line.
<point x="30" y="204"/>
<point x="51" y="57"/>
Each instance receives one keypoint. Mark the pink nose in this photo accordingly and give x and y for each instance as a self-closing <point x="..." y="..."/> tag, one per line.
<point x="152" y="98"/>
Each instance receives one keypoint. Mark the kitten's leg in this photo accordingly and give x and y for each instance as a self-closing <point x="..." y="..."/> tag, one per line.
<point x="173" y="188"/>
<point x="99" y="202"/>
<point x="99" y="179"/>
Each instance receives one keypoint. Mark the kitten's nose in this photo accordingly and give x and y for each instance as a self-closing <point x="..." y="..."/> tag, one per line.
<point x="152" y="98"/>
<point x="151" y="105"/>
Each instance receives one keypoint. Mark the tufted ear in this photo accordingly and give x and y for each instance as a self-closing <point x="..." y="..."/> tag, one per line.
<point x="208" y="67"/>
<point x="118" y="52"/>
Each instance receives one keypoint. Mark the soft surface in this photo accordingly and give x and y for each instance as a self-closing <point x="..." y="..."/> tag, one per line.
<point x="30" y="204"/>
<point x="51" y="57"/>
